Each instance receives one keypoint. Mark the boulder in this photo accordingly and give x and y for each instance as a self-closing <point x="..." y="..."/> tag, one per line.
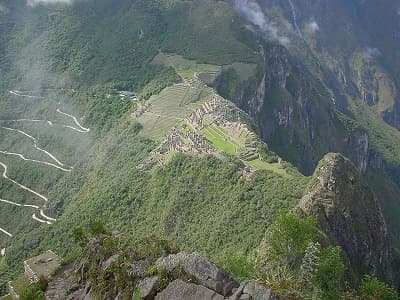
<point x="201" y="269"/>
<point x="148" y="287"/>
<point x="105" y="265"/>
<point x="180" y="290"/>
<point x="252" y="290"/>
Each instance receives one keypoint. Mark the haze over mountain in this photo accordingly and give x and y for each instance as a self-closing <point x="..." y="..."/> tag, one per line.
<point x="212" y="124"/>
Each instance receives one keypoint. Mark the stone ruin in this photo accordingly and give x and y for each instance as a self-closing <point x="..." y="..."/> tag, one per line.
<point x="178" y="140"/>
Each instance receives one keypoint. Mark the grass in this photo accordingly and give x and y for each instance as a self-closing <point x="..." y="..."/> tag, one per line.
<point x="384" y="137"/>
<point x="20" y="283"/>
<point x="263" y="165"/>
<point x="187" y="68"/>
<point x="171" y="107"/>
<point x="220" y="140"/>
<point x="184" y="67"/>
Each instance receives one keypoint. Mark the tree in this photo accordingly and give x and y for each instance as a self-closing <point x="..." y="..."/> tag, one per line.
<point x="329" y="274"/>
<point x="287" y="238"/>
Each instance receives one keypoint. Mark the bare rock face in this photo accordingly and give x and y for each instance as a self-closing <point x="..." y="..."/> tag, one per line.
<point x="203" y="271"/>
<point x="252" y="290"/>
<point x="347" y="210"/>
<point x="179" y="289"/>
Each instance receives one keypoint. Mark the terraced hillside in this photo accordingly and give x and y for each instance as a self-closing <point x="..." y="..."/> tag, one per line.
<point x="126" y="113"/>
<point x="190" y="117"/>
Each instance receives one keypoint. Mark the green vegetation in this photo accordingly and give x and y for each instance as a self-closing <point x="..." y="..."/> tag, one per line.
<point x="169" y="108"/>
<point x="184" y="67"/>
<point x="30" y="291"/>
<point x="78" y="57"/>
<point x="232" y="83"/>
<point x="293" y="263"/>
<point x="99" y="246"/>
<point x="217" y="136"/>
<point x="372" y="288"/>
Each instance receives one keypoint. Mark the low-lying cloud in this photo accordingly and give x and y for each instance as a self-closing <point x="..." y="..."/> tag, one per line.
<point x="370" y="53"/>
<point x="253" y="13"/>
<point x="3" y="9"/>
<point x="36" y="2"/>
<point x="312" y="27"/>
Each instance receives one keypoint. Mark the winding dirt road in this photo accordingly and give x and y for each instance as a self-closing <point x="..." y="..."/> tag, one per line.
<point x="19" y="205"/>
<point x="48" y="219"/>
<point x="20" y="94"/>
<point x="21" y="156"/>
<point x="6" y="232"/>
<point x="75" y="120"/>
<point x="42" y="218"/>
<point x="35" y="144"/>
<point x="21" y="185"/>
<point x="50" y="123"/>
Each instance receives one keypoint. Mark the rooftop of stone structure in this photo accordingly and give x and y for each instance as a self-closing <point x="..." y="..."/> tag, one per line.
<point x="44" y="264"/>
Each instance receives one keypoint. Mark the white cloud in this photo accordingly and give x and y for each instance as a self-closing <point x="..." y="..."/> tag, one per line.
<point x="3" y="9"/>
<point x="312" y="27"/>
<point x="253" y="13"/>
<point x="370" y="53"/>
<point x="36" y="2"/>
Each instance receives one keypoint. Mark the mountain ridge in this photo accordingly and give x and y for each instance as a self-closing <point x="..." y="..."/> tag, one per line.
<point x="176" y="157"/>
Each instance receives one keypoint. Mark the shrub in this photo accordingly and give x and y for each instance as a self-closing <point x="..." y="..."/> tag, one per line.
<point x="373" y="289"/>
<point x="330" y="272"/>
<point x="287" y="239"/>
<point x="96" y="228"/>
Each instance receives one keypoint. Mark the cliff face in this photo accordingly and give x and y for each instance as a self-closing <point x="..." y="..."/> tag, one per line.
<point x="297" y="116"/>
<point x="348" y="211"/>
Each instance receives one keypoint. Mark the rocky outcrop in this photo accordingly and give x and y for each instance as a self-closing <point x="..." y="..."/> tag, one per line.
<point x="179" y="289"/>
<point x="199" y="268"/>
<point x="178" y="276"/>
<point x="347" y="210"/>
<point x="252" y="290"/>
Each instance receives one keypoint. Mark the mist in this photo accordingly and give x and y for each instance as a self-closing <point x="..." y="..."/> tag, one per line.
<point x="370" y="53"/>
<point x="312" y="27"/>
<point x="253" y="13"/>
<point x="36" y="2"/>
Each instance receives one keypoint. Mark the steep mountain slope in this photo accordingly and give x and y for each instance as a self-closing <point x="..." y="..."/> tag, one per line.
<point x="51" y="81"/>
<point x="125" y="105"/>
<point x="347" y="210"/>
<point x="336" y="68"/>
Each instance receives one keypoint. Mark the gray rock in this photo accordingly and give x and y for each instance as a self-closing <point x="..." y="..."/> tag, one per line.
<point x="262" y="293"/>
<point x="138" y="268"/>
<point x="148" y="287"/>
<point x="201" y="269"/>
<point x="239" y="291"/>
<point x="252" y="290"/>
<point x="105" y="265"/>
<point x="248" y="287"/>
<point x="180" y="290"/>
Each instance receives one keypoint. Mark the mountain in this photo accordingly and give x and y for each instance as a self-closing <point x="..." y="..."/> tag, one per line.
<point x="200" y="121"/>
<point x="348" y="211"/>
